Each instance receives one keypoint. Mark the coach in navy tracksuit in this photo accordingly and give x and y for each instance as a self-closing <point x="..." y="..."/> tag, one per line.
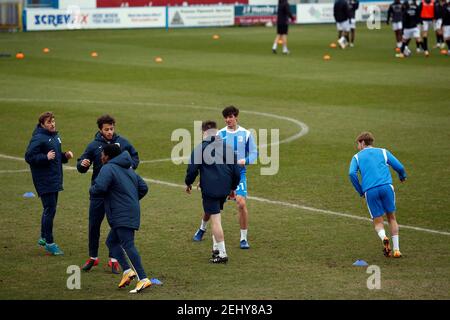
<point x="45" y="158"/>
<point x="121" y="188"/>
<point x="92" y="156"/>
<point x="219" y="177"/>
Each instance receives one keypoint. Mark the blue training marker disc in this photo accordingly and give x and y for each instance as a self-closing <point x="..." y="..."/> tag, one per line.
<point x="28" y="195"/>
<point x="360" y="263"/>
<point x="155" y="281"/>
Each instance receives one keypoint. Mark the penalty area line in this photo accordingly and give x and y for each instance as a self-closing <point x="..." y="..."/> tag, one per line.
<point x="273" y="202"/>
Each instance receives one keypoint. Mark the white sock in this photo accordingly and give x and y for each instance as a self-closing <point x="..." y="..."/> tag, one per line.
<point x="275" y="45"/>
<point x="243" y="234"/>
<point x="203" y="225"/>
<point x="113" y="260"/>
<point x="126" y="271"/>
<point x="215" y="247"/>
<point x="395" y="242"/>
<point x="94" y="258"/>
<point x="285" y="49"/>
<point x="221" y="247"/>
<point x="399" y="44"/>
<point x="382" y="234"/>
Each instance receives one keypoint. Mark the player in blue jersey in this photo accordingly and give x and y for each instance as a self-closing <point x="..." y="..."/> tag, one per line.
<point x="376" y="186"/>
<point x="244" y="147"/>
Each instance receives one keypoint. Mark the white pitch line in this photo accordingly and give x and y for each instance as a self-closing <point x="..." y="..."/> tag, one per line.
<point x="274" y="202"/>
<point x="15" y="171"/>
<point x="162" y="160"/>
<point x="304" y="129"/>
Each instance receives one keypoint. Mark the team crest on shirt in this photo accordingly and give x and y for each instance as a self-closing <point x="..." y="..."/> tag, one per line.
<point x="240" y="139"/>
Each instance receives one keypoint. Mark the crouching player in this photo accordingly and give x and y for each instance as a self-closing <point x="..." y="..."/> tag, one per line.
<point x="373" y="165"/>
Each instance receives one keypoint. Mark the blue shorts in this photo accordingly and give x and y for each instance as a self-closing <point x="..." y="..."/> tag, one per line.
<point x="380" y="200"/>
<point x="241" y="189"/>
<point x="213" y="205"/>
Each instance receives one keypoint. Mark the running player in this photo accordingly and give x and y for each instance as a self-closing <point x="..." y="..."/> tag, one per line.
<point x="376" y="187"/>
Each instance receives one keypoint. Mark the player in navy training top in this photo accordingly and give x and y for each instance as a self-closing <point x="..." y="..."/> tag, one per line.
<point x="244" y="146"/>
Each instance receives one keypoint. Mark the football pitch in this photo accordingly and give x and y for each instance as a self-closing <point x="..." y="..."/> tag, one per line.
<point x="307" y="224"/>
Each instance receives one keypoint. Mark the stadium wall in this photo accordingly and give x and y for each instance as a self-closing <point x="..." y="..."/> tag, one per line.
<point x="71" y="17"/>
<point x="246" y="15"/>
<point x="113" y="18"/>
<point x="323" y="12"/>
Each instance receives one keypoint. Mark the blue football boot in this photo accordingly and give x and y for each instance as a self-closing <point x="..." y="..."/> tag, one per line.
<point x="53" y="249"/>
<point x="198" y="236"/>
<point x="244" y="244"/>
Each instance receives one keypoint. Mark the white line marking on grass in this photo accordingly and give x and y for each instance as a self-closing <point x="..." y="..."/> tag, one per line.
<point x="15" y="171"/>
<point x="4" y="156"/>
<point x="162" y="160"/>
<point x="274" y="202"/>
<point x="304" y="129"/>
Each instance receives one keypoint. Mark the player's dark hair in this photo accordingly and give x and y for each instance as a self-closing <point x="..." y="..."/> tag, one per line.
<point x="44" y="116"/>
<point x="105" y="119"/>
<point x="230" y="111"/>
<point x="367" y="137"/>
<point x="209" y="124"/>
<point x="111" y="150"/>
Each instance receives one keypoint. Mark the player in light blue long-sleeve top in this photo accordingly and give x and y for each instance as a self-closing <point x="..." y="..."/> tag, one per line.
<point x="376" y="186"/>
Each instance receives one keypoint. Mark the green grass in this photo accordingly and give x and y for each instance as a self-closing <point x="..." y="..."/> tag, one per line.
<point x="296" y="253"/>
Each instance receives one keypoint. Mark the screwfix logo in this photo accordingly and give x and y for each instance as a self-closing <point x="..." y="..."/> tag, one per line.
<point x="60" y="19"/>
